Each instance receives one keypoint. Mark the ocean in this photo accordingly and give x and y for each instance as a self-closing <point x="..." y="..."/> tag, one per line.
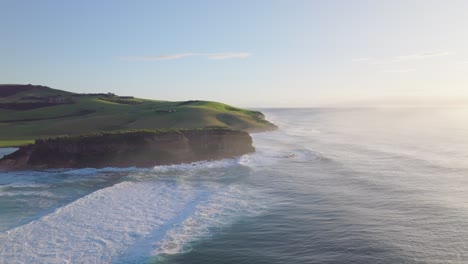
<point x="332" y="185"/>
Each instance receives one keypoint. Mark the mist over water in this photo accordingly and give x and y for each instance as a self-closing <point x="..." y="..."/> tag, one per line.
<point x="331" y="186"/>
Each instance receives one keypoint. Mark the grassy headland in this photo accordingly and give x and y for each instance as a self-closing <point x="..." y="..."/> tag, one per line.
<point x="29" y="112"/>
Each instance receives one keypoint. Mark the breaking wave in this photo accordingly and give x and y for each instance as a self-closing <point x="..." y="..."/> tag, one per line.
<point x="134" y="219"/>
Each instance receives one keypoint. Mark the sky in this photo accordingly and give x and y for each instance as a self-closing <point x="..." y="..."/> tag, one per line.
<point x="288" y="53"/>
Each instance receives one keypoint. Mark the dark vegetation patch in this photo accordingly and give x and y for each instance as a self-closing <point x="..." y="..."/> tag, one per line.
<point x="8" y="90"/>
<point x="95" y="94"/>
<point x="27" y="97"/>
<point x="128" y="134"/>
<point x="258" y="116"/>
<point x="11" y="89"/>
<point x="229" y="120"/>
<point x="165" y="111"/>
<point x="21" y="106"/>
<point x="129" y="100"/>
<point x="188" y="102"/>
<point x="231" y="108"/>
<point x="49" y="99"/>
<point x="79" y="113"/>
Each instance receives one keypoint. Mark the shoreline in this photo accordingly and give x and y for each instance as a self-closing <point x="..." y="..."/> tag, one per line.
<point x="140" y="148"/>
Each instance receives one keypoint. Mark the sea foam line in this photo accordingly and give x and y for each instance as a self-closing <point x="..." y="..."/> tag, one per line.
<point x="97" y="227"/>
<point x="222" y="208"/>
<point x="129" y="221"/>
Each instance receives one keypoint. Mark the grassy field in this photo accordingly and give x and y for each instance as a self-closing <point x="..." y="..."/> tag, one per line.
<point x="15" y="143"/>
<point x="77" y="114"/>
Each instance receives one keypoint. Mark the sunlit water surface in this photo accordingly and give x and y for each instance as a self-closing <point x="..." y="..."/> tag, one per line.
<point x="331" y="186"/>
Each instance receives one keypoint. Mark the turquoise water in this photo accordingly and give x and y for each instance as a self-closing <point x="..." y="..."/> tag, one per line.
<point x="331" y="186"/>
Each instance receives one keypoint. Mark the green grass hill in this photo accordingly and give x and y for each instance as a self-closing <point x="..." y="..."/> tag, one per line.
<point x="29" y="112"/>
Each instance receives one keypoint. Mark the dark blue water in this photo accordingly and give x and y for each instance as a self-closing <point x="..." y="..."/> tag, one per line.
<point x="331" y="186"/>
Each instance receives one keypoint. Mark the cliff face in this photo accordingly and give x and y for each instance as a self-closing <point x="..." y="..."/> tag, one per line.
<point x="138" y="148"/>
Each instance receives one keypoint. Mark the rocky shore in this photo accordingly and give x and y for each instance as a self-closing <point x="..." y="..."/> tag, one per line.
<point x="142" y="148"/>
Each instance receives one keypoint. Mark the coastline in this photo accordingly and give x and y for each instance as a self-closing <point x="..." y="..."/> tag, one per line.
<point x="139" y="148"/>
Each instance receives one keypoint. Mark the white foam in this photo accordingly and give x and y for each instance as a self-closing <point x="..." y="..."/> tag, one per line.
<point x="200" y="165"/>
<point x="163" y="169"/>
<point x="25" y="185"/>
<point x="27" y="193"/>
<point x="266" y="158"/>
<point x="91" y="171"/>
<point x="6" y="151"/>
<point x="221" y="209"/>
<point x="304" y="155"/>
<point x="95" y="228"/>
<point x="258" y="160"/>
<point x="25" y="188"/>
<point x="127" y="221"/>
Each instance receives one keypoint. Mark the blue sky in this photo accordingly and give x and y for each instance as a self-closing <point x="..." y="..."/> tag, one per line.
<point x="246" y="53"/>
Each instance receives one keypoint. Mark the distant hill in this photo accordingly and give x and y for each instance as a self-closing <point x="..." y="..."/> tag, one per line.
<point x="17" y="91"/>
<point x="29" y="112"/>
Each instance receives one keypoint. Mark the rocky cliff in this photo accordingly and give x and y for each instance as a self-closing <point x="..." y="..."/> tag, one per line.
<point x="130" y="148"/>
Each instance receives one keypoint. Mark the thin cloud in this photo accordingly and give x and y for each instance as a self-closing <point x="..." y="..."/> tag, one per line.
<point x="160" y="57"/>
<point x="228" y="55"/>
<point x="424" y="55"/>
<point x="405" y="58"/>
<point x="176" y="56"/>
<point x="399" y="71"/>
<point x="362" y="59"/>
<point x="383" y="62"/>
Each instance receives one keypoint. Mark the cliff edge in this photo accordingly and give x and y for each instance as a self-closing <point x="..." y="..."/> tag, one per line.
<point x="142" y="148"/>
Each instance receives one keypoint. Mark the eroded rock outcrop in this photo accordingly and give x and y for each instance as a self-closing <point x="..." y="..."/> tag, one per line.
<point x="131" y="148"/>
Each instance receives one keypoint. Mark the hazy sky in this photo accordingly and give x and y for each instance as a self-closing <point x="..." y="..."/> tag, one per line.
<point x="246" y="53"/>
